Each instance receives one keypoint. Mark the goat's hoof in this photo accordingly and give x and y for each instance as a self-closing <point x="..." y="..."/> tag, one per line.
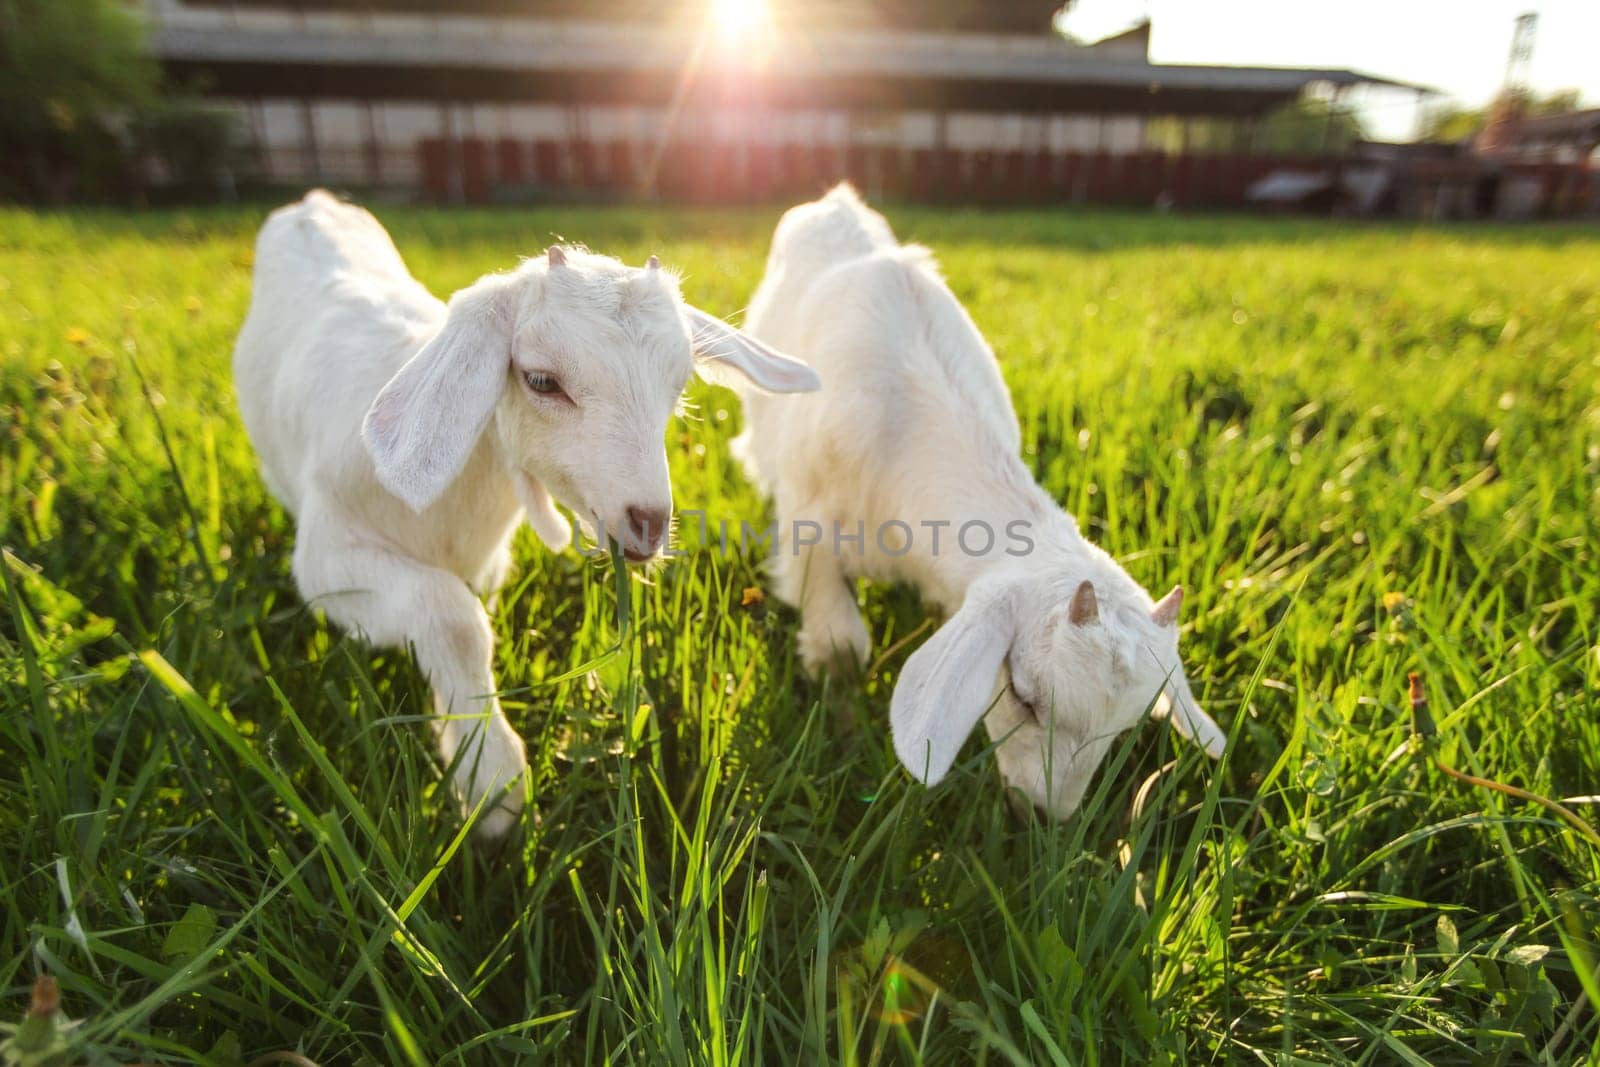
<point x="495" y="823"/>
<point x="839" y="653"/>
<point x="501" y="811"/>
<point x="499" y="816"/>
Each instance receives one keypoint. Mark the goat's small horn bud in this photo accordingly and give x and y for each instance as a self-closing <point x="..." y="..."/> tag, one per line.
<point x="556" y="257"/>
<point x="653" y="263"/>
<point x="1085" y="606"/>
<point x="1165" y="613"/>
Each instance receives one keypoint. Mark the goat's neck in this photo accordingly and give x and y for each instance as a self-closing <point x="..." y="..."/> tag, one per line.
<point x="1032" y="533"/>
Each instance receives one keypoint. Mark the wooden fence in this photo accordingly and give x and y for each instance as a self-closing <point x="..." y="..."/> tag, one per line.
<point x="480" y="170"/>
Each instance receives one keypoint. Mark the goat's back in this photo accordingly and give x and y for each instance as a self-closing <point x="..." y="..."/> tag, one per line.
<point x="838" y="227"/>
<point x="322" y="230"/>
<point x="333" y="314"/>
<point x="904" y="369"/>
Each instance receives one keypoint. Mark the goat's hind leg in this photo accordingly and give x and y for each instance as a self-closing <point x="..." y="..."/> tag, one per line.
<point x="392" y="601"/>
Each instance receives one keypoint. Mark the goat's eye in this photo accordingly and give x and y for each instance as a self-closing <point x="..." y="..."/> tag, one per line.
<point x="542" y="383"/>
<point x="1026" y="704"/>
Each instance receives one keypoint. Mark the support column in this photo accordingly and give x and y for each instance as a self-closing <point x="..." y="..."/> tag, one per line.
<point x="308" y="140"/>
<point x="577" y="133"/>
<point x="1334" y="111"/>
<point x="258" y="134"/>
<point x="1252" y="135"/>
<point x="850" y="134"/>
<point x="374" y="154"/>
<point x="452" y="153"/>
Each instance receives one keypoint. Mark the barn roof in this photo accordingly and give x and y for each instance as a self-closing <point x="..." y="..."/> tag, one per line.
<point x="466" y="58"/>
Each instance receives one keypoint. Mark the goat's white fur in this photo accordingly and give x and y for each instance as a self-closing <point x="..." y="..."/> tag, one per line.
<point x="914" y="424"/>
<point x="407" y="441"/>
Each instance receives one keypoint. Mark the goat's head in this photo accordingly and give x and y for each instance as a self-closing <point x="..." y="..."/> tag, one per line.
<point x="578" y="362"/>
<point x="1082" y="661"/>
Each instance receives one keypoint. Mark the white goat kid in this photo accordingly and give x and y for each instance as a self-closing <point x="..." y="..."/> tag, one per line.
<point x="908" y="462"/>
<point x="407" y="438"/>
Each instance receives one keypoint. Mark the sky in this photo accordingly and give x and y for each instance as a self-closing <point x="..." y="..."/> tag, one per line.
<point x="1457" y="46"/>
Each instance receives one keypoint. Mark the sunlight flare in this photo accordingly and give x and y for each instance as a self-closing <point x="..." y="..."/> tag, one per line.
<point x="737" y="19"/>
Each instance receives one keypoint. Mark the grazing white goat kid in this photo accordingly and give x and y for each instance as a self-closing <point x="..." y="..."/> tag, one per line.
<point x="906" y="468"/>
<point x="408" y="438"/>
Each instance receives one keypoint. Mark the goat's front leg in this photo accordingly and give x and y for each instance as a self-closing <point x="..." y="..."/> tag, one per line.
<point x="812" y="578"/>
<point x="393" y="601"/>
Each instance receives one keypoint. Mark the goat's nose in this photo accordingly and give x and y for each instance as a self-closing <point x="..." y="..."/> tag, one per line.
<point x="649" y="525"/>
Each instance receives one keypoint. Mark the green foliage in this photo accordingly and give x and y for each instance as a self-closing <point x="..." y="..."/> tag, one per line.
<point x="67" y="67"/>
<point x="1364" y="451"/>
<point x="1453" y="123"/>
<point x="197" y="144"/>
<point x="1305" y="125"/>
<point x="1308" y="124"/>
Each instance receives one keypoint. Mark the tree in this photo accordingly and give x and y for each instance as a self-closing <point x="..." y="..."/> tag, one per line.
<point x="1451" y="123"/>
<point x="1308" y="124"/>
<point x="68" y="70"/>
<point x="1304" y="125"/>
<point x="195" y="142"/>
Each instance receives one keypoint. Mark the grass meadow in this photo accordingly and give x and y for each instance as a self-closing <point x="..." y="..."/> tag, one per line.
<point x="1365" y="452"/>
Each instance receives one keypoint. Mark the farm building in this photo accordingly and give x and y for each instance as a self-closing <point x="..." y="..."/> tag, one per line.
<point x="723" y="100"/>
<point x="1569" y="138"/>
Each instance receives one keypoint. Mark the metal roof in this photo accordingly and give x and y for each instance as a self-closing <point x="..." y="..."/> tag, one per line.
<point x="428" y="57"/>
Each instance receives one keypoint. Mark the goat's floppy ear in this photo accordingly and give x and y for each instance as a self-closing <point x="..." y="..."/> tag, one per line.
<point x="946" y="685"/>
<point x="1177" y="703"/>
<point x="1176" y="700"/>
<point x="718" y="345"/>
<point x="426" y="421"/>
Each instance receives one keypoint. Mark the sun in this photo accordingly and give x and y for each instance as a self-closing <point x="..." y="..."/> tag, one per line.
<point x="738" y="18"/>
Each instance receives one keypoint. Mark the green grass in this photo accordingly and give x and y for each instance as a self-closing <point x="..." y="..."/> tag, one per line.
<point x="1364" y="451"/>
